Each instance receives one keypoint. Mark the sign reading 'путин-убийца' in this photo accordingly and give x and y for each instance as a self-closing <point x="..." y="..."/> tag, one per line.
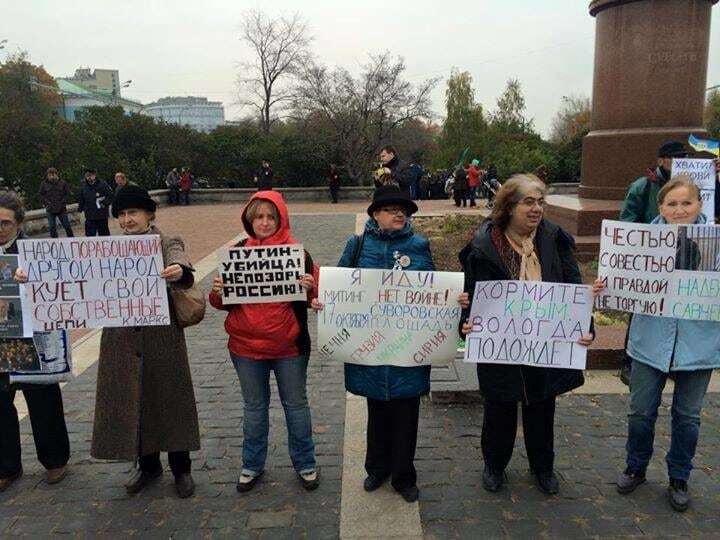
<point x="660" y="270"/>
<point x="528" y="322"/>
<point x="389" y="317"/>
<point x="95" y="282"/>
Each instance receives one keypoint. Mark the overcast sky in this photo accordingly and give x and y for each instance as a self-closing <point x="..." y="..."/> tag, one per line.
<point x="183" y="47"/>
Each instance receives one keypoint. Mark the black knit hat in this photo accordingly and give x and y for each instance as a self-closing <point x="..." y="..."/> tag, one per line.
<point x="132" y="196"/>
<point x="389" y="195"/>
<point x="672" y="149"/>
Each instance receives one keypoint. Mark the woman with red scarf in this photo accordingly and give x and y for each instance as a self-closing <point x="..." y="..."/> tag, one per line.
<point x="272" y="337"/>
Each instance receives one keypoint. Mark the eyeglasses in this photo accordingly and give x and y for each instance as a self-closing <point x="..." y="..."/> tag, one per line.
<point x="6" y="224"/>
<point x="394" y="210"/>
<point x="530" y="202"/>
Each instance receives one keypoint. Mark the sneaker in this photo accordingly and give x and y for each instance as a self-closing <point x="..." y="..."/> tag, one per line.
<point x="492" y="480"/>
<point x="309" y="480"/>
<point x="246" y="481"/>
<point x="679" y="495"/>
<point x="629" y="480"/>
<point x="547" y="482"/>
<point x="410" y="494"/>
<point x="372" y="483"/>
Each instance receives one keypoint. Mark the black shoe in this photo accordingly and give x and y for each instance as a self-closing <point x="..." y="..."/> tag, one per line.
<point x="625" y="371"/>
<point x="246" y="483"/>
<point x="410" y="494"/>
<point x="184" y="485"/>
<point x="140" y="479"/>
<point x="629" y="480"/>
<point x="371" y="483"/>
<point x="311" y="480"/>
<point x="547" y="482"/>
<point x="8" y="481"/>
<point x="679" y="495"/>
<point x="492" y="480"/>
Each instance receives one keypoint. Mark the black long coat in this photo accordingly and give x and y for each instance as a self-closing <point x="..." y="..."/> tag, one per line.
<point x="481" y="262"/>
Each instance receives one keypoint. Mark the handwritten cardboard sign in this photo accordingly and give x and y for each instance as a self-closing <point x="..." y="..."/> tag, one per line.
<point x="262" y="274"/>
<point x="529" y="323"/>
<point x="661" y="270"/>
<point x="95" y="282"/>
<point x="702" y="172"/>
<point x="389" y="317"/>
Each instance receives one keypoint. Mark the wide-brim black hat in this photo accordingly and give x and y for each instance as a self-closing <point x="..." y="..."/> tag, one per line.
<point x="390" y="195"/>
<point x="132" y="196"/>
<point x="672" y="149"/>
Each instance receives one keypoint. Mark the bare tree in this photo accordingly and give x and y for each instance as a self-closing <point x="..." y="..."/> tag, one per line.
<point x="572" y="120"/>
<point x="280" y="48"/>
<point x="359" y="114"/>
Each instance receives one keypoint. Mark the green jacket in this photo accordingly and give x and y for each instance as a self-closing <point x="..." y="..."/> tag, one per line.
<point x="640" y="204"/>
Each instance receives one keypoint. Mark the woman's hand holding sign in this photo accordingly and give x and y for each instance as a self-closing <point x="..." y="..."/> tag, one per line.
<point x="172" y="273"/>
<point x="20" y="276"/>
<point x="307" y="282"/>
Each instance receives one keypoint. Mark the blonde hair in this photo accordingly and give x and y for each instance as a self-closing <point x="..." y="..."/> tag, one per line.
<point x="254" y="206"/>
<point x="681" y="180"/>
<point x="510" y="195"/>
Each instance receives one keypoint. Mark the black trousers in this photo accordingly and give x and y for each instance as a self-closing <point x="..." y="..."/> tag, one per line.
<point x="180" y="462"/>
<point x="97" y="227"/>
<point x="391" y="439"/>
<point x="500" y="426"/>
<point x="460" y="195"/>
<point x="47" y="418"/>
<point x="334" y="191"/>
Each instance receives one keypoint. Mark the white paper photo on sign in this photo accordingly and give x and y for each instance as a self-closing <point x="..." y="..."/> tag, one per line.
<point x="389" y="317"/>
<point x="95" y="282"/>
<point x="702" y="172"/>
<point x="262" y="274"/>
<point x="529" y="323"/>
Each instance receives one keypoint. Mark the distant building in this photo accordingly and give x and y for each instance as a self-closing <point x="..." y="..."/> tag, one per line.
<point x="102" y="81"/>
<point x="75" y="98"/>
<point x="195" y="112"/>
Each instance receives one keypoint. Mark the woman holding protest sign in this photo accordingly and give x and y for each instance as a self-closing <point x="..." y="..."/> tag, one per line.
<point x="661" y="346"/>
<point x="517" y="243"/>
<point x="267" y="337"/>
<point x="392" y="392"/>
<point x="145" y="401"/>
<point x="44" y="401"/>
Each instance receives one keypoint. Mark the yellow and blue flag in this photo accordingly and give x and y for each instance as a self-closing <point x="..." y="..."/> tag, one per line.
<point x="704" y="145"/>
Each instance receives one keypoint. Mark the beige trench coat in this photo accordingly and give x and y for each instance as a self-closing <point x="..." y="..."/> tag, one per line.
<point x="145" y="401"/>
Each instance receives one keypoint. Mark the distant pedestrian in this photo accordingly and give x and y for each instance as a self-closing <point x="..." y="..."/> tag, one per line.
<point x="55" y="194"/>
<point x="264" y="177"/>
<point x="172" y="181"/>
<point x="334" y="178"/>
<point x="460" y="187"/>
<point x="121" y="181"/>
<point x="473" y="180"/>
<point x="398" y="170"/>
<point x="94" y="200"/>
<point x="185" y="186"/>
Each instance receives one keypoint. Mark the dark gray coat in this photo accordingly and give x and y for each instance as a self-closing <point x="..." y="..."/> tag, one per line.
<point x="145" y="401"/>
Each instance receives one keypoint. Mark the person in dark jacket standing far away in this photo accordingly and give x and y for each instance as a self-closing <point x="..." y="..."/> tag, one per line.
<point x="399" y="171"/>
<point x="516" y="243"/>
<point x="334" y="179"/>
<point x="94" y="200"/>
<point x="145" y="403"/>
<point x="44" y="401"/>
<point x="272" y="337"/>
<point x="55" y="194"/>
<point x="264" y="177"/>
<point x="392" y="392"/>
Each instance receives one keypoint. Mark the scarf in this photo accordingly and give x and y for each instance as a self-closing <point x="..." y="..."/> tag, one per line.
<point x="530" y="269"/>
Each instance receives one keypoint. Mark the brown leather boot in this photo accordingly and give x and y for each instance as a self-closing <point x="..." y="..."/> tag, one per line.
<point x="55" y="476"/>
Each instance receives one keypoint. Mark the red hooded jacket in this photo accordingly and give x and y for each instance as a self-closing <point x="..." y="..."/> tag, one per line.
<point x="266" y="331"/>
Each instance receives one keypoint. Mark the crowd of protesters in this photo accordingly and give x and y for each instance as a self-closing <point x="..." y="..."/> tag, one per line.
<point x="147" y="368"/>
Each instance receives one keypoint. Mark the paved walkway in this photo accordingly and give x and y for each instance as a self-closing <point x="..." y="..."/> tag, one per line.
<point x="590" y="435"/>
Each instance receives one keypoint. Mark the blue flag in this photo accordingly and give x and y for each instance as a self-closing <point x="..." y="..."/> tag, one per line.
<point x="704" y="145"/>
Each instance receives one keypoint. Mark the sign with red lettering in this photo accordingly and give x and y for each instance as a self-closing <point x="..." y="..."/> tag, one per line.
<point x="389" y="317"/>
<point x="702" y="173"/>
<point x="529" y="323"/>
<point x="660" y="270"/>
<point x="95" y="282"/>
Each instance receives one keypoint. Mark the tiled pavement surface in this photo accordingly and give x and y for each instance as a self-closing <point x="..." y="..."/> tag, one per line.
<point x="590" y="435"/>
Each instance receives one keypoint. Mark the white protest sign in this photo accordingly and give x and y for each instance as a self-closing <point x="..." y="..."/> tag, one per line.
<point x="702" y="172"/>
<point x="529" y="323"/>
<point x="389" y="317"/>
<point x="262" y="274"/>
<point x="95" y="282"/>
<point x="661" y="270"/>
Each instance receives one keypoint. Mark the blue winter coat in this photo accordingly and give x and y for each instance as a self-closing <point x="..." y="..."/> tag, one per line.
<point x="378" y="251"/>
<point x="669" y="344"/>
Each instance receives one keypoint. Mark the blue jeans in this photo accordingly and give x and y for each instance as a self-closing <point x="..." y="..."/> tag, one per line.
<point x="646" y="386"/>
<point x="291" y="377"/>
